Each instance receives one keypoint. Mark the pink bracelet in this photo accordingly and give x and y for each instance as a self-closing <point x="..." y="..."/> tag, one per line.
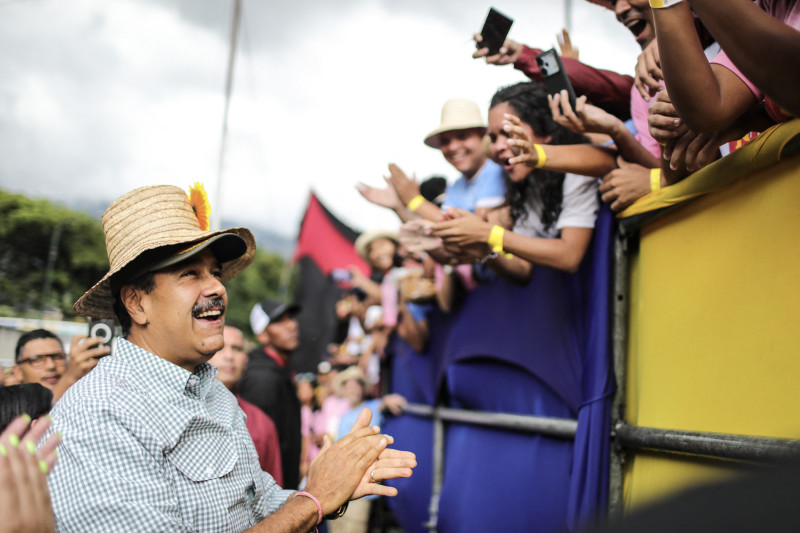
<point x="316" y="501"/>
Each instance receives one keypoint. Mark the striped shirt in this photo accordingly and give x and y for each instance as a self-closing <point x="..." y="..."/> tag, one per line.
<point x="148" y="446"/>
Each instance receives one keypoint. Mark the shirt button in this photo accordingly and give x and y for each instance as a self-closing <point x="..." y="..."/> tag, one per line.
<point x="209" y="471"/>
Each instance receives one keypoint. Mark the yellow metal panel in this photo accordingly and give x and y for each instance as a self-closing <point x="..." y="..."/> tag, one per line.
<point x="715" y="336"/>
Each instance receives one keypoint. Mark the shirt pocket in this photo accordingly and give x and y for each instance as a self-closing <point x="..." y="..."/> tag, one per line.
<point x="204" y="457"/>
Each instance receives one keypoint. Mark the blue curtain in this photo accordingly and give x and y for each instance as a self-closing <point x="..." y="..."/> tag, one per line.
<point x="542" y="349"/>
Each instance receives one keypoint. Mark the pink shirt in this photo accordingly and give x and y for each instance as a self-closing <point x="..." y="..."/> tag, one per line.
<point x="639" y="109"/>
<point x="787" y="11"/>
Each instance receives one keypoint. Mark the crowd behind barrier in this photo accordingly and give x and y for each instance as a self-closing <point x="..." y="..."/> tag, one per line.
<point x="495" y="296"/>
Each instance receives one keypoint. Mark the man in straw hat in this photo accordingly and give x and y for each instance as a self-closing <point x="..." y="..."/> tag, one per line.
<point x="150" y="440"/>
<point x="460" y="139"/>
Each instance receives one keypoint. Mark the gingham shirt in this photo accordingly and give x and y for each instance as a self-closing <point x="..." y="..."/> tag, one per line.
<point x="149" y="446"/>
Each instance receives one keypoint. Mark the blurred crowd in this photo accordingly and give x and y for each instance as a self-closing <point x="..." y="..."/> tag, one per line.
<point x="533" y="176"/>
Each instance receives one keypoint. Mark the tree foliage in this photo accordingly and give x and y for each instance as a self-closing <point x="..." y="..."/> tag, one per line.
<point x="28" y="230"/>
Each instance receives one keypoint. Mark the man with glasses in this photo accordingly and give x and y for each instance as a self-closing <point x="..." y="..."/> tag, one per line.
<point x="40" y="358"/>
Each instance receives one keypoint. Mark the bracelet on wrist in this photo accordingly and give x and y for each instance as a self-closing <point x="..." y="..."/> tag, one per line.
<point x="316" y="501"/>
<point x="415" y="202"/>
<point x="541" y="156"/>
<point x="338" y="513"/>
<point x="655" y="179"/>
<point x="495" y="240"/>
<point x="661" y="4"/>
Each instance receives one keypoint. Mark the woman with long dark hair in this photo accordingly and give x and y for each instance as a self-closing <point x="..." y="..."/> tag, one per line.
<point x="552" y="210"/>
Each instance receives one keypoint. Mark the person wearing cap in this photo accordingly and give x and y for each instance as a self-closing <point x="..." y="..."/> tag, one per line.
<point x="150" y="440"/>
<point x="460" y="138"/>
<point x="268" y="382"/>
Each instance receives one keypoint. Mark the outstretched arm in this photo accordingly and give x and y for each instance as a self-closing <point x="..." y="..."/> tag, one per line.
<point x="708" y="97"/>
<point x="764" y="48"/>
<point x="587" y="118"/>
<point x="583" y="159"/>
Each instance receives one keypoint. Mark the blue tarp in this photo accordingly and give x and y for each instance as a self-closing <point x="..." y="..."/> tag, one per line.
<point x="543" y="349"/>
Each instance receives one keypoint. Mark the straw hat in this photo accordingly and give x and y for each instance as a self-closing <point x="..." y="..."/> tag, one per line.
<point x="368" y="237"/>
<point x="457" y="114"/>
<point x="151" y="228"/>
<point x="351" y="372"/>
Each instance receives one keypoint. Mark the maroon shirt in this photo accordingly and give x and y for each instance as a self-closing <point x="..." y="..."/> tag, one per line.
<point x="265" y="437"/>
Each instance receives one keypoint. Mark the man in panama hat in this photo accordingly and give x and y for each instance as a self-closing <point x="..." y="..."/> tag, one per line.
<point x="460" y="138"/>
<point x="150" y="440"/>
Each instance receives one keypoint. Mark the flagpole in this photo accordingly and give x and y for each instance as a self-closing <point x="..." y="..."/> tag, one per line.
<point x="216" y="213"/>
<point x="568" y="15"/>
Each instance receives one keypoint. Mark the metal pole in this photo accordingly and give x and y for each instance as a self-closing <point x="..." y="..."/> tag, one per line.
<point x="216" y="214"/>
<point x="619" y="354"/>
<point x="438" y="473"/>
<point x="568" y="15"/>
<point x="52" y="255"/>
<point x="718" y="445"/>
<point x="543" y="425"/>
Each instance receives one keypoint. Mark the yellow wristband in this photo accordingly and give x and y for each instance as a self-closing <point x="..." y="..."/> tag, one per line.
<point x="496" y="239"/>
<point x="415" y="202"/>
<point x="540" y="155"/>
<point x="661" y="4"/>
<point x="655" y="179"/>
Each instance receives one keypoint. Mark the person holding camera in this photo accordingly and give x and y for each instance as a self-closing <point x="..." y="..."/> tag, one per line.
<point x="40" y="358"/>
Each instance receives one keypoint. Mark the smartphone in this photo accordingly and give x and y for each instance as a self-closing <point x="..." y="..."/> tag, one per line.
<point x="553" y="74"/>
<point x="494" y="32"/>
<point x="340" y="275"/>
<point x="103" y="329"/>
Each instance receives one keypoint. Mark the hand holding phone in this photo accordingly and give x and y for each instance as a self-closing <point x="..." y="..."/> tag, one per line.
<point x="553" y="74"/>
<point x="103" y="330"/>
<point x="494" y="32"/>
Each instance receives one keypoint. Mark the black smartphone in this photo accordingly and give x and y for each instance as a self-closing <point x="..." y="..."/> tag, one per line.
<point x="553" y="74"/>
<point x="103" y="329"/>
<point x="494" y="32"/>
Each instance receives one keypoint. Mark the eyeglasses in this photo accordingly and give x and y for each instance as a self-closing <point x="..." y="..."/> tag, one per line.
<point x="38" y="361"/>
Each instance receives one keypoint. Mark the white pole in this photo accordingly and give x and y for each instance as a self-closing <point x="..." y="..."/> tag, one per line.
<point x="568" y="15"/>
<point x="216" y="211"/>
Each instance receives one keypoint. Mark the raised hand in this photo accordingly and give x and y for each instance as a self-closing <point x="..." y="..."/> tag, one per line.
<point x="565" y="45"/>
<point x="508" y="54"/>
<point x="585" y="118"/>
<point x="24" y="499"/>
<point x="649" y="76"/>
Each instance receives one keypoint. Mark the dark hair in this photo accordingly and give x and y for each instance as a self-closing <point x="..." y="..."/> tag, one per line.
<point x="30" y="398"/>
<point x="36" y="334"/>
<point x="432" y="188"/>
<point x="145" y="282"/>
<point x="529" y="102"/>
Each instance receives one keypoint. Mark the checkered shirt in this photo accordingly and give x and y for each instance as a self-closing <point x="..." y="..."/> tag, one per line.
<point x="149" y="446"/>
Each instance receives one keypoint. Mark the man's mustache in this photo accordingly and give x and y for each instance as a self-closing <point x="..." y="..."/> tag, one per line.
<point x="213" y="303"/>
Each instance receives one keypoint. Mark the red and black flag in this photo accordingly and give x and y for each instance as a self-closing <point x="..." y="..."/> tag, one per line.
<point x="325" y="243"/>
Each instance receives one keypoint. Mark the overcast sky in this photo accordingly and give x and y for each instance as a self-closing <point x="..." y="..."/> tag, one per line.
<point x="98" y="97"/>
